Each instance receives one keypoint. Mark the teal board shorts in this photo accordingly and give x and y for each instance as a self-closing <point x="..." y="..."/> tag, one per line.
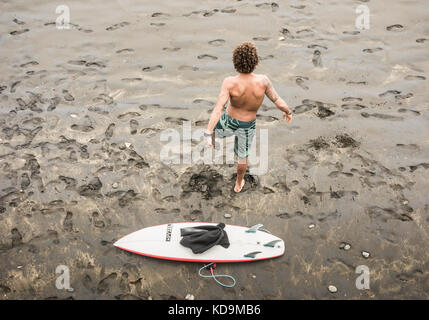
<point x="243" y="131"/>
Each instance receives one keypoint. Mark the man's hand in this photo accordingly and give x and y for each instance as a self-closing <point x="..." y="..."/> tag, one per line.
<point x="287" y="116"/>
<point x="209" y="142"/>
<point x="209" y="139"/>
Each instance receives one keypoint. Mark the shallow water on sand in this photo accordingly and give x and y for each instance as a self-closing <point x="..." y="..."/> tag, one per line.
<point x="82" y="111"/>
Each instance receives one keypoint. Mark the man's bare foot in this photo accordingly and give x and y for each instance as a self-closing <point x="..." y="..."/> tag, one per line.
<point x="237" y="188"/>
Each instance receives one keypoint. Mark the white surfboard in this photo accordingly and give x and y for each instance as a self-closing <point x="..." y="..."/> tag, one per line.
<point x="163" y="242"/>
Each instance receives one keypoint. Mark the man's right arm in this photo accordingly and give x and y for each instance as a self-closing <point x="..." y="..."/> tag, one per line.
<point x="279" y="102"/>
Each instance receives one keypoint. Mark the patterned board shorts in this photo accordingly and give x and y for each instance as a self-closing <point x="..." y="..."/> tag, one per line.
<point x="242" y="130"/>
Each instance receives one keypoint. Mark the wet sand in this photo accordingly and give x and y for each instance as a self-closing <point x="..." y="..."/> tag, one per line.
<point x="82" y="111"/>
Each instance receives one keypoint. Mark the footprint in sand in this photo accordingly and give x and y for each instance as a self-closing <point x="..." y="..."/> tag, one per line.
<point x="353" y="106"/>
<point x="16" y="237"/>
<point x="82" y="128"/>
<point x="18" y="32"/>
<point x="175" y="120"/>
<point x="351" y="99"/>
<point x="77" y="62"/>
<point x="30" y="63"/>
<point x="314" y="46"/>
<point x="324" y="112"/>
<point x="268" y="5"/>
<point x="98" y="223"/>
<point x="302" y="108"/>
<point x="228" y="10"/>
<point x="153" y="68"/>
<point x="87" y="283"/>
<point x="306" y="32"/>
<point x="395" y="27"/>
<point x="267" y="57"/>
<point x="190" y="68"/>
<point x="415" y="78"/>
<point x="286" y="33"/>
<point x="125" y="50"/>
<point x="203" y="102"/>
<point x="206" y="57"/>
<point x="361" y="83"/>
<point x="159" y="14"/>
<point x="317" y="58"/>
<point x="103" y="98"/>
<point x="84" y="30"/>
<point x="157" y="24"/>
<point x="404" y="96"/>
<point x="134" y="124"/>
<point x="201" y="123"/>
<point x="372" y="50"/>
<point x="217" y="42"/>
<point x="415" y="112"/>
<point x="192" y="13"/>
<point x="352" y="33"/>
<point x="13" y="86"/>
<point x="299" y="80"/>
<point x="149" y="131"/>
<point x="105" y="284"/>
<point x="109" y="131"/>
<point x="68" y="222"/>
<point x="261" y="38"/>
<point x="381" y="116"/>
<point x="408" y="147"/>
<point x="144" y="107"/>
<point x="18" y="21"/>
<point x="128" y="115"/>
<point x="389" y="93"/>
<point x="95" y="64"/>
<point x="421" y="40"/>
<point x="70" y="182"/>
<point x="67" y="95"/>
<point x="21" y="103"/>
<point x="173" y="49"/>
<point x="117" y="26"/>
<point x="131" y="79"/>
<point x="210" y="13"/>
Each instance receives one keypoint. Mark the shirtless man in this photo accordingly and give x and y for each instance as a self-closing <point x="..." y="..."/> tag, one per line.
<point x="245" y="93"/>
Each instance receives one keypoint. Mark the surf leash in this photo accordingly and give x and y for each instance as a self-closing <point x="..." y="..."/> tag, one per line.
<point x="212" y="265"/>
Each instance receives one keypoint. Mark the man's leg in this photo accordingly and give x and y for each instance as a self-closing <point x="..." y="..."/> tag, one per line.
<point x="240" y="150"/>
<point x="241" y="170"/>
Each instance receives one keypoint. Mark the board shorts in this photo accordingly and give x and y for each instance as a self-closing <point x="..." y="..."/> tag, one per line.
<point x="243" y="131"/>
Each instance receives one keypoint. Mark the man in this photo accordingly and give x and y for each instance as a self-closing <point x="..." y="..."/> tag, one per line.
<point x="245" y="93"/>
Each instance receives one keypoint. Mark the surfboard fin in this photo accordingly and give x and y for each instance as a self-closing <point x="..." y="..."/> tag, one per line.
<point x="271" y="244"/>
<point x="254" y="228"/>
<point x="252" y="254"/>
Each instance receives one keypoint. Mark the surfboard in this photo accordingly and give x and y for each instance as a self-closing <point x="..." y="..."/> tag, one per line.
<point x="163" y="242"/>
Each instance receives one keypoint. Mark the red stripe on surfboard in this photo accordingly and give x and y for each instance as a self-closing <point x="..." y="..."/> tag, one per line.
<point x="195" y="260"/>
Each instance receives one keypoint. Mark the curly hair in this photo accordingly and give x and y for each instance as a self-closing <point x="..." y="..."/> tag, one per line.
<point x="245" y="57"/>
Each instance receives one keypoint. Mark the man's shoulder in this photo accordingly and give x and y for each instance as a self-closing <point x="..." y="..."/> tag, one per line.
<point x="264" y="79"/>
<point x="228" y="80"/>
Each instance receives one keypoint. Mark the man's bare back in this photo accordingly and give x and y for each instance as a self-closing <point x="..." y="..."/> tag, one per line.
<point x="246" y="92"/>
